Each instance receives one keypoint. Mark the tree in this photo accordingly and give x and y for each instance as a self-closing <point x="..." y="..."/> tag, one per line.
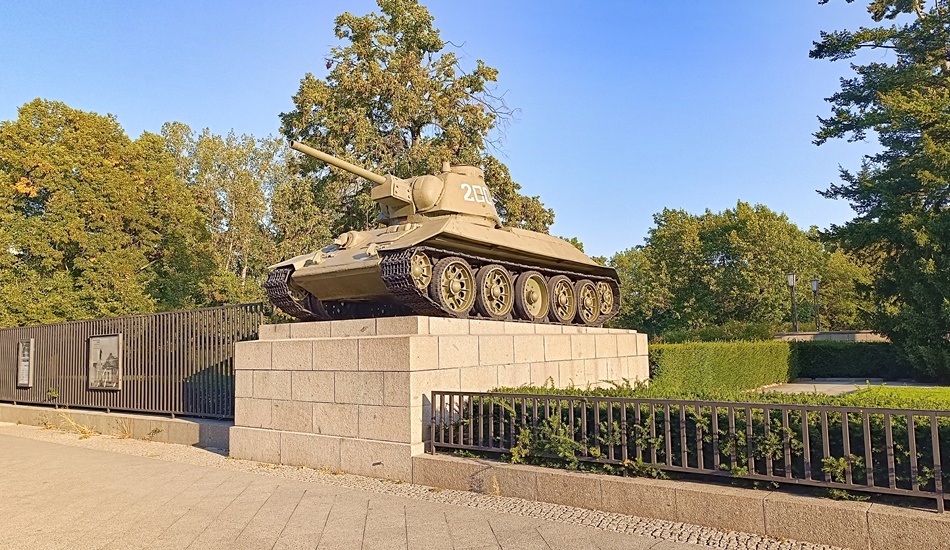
<point x="94" y="224"/>
<point x="901" y="196"/>
<point x="397" y="101"/>
<point x="232" y="178"/>
<point x="714" y="269"/>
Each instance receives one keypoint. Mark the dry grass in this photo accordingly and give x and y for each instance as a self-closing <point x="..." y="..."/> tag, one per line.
<point x="71" y="425"/>
<point x="124" y="429"/>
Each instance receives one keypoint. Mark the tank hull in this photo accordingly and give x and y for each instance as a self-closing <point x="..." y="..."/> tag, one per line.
<point x="364" y="267"/>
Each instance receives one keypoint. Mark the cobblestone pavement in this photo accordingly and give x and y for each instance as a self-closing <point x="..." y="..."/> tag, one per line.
<point x="60" y="491"/>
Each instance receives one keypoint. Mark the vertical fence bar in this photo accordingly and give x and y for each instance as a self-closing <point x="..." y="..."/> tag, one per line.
<point x="653" y="433"/>
<point x="868" y="451"/>
<point x="733" y="439"/>
<point x="683" y="447"/>
<point x="432" y="420"/>
<point x="584" y="447"/>
<point x="699" y="436"/>
<point x="637" y="430"/>
<point x="912" y="448"/>
<point x="471" y="420"/>
<point x="787" y="442"/>
<point x="846" y="444"/>
<point x="748" y="442"/>
<point x="938" y="470"/>
<point x="668" y="435"/>
<point x="624" y="452"/>
<point x="767" y="430"/>
<point x="825" y="443"/>
<point x="481" y="421"/>
<point x="610" y="430"/>
<point x="889" y="446"/>
<point x="511" y="424"/>
<point x="715" y="437"/>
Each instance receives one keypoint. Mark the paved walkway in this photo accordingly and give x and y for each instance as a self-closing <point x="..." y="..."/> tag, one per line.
<point x="839" y="386"/>
<point x="59" y="490"/>
<point x="58" y="496"/>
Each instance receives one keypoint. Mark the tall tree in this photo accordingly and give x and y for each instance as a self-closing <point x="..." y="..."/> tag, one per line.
<point x="397" y="101"/>
<point x="94" y="224"/>
<point x="696" y="271"/>
<point x="901" y="196"/>
<point x="233" y="177"/>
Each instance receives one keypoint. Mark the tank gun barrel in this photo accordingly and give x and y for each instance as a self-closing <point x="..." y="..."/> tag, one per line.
<point x="341" y="164"/>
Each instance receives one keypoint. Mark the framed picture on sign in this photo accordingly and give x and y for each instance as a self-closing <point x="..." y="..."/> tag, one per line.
<point x="105" y="362"/>
<point x="24" y="365"/>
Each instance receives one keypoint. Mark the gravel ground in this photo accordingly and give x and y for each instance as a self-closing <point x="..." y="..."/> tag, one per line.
<point x="659" y="529"/>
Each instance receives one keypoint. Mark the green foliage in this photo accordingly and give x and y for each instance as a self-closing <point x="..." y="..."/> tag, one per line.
<point x="719" y="367"/>
<point x="849" y="360"/>
<point x="92" y="223"/>
<point x="396" y="100"/>
<point x="615" y="438"/>
<point x="730" y="331"/>
<point x="900" y="195"/>
<point x="231" y="178"/>
<point x="728" y="270"/>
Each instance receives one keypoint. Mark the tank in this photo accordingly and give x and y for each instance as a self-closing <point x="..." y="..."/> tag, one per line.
<point x="440" y="249"/>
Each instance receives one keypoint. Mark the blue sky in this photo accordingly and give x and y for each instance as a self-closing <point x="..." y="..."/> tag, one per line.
<point x="624" y="107"/>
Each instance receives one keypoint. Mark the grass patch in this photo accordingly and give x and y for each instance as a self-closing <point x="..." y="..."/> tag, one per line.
<point x="880" y="396"/>
<point x="901" y="398"/>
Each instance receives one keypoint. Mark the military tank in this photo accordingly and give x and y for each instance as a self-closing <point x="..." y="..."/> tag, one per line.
<point x="441" y="250"/>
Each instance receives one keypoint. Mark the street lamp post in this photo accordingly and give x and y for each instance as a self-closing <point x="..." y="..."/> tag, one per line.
<point x="814" y="290"/>
<point x="791" y="286"/>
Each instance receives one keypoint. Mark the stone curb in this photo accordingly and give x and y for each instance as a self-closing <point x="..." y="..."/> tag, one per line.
<point x="183" y="431"/>
<point x="846" y="524"/>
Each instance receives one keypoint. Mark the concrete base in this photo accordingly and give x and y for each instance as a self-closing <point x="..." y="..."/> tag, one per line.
<point x="354" y="395"/>
<point x="201" y="432"/>
<point x="845" y="524"/>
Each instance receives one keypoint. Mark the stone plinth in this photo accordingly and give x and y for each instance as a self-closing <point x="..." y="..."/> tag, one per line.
<point x="354" y="395"/>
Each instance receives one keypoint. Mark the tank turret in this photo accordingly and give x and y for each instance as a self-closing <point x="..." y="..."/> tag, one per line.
<point x="457" y="190"/>
<point x="441" y="251"/>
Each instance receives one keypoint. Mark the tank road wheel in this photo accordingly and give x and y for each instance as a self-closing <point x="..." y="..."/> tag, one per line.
<point x="454" y="288"/>
<point x="420" y="267"/>
<point x="496" y="292"/>
<point x="531" y="296"/>
<point x="606" y="295"/>
<point x="563" y="301"/>
<point x="588" y="302"/>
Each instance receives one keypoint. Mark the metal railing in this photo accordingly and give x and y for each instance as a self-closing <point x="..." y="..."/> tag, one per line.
<point x="888" y="451"/>
<point x="178" y="363"/>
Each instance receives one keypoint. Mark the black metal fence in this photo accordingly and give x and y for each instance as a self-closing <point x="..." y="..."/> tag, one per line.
<point x="178" y="363"/>
<point x="888" y="451"/>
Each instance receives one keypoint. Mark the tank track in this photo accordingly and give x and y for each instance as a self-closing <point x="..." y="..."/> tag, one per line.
<point x="278" y="292"/>
<point x="312" y="309"/>
<point x="409" y="299"/>
<point x="397" y="276"/>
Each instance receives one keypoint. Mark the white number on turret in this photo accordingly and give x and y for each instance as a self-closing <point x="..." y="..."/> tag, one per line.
<point x="476" y="193"/>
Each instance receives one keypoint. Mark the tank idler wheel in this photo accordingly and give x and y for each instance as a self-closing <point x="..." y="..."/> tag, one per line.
<point x="495" y="296"/>
<point x="454" y="286"/>
<point x="420" y="268"/>
<point x="563" y="301"/>
<point x="531" y="297"/>
<point x="588" y="302"/>
<point x="606" y="295"/>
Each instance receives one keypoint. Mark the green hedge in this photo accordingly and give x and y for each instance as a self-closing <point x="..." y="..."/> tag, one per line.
<point x="715" y="367"/>
<point x="722" y="367"/>
<point x="848" y="360"/>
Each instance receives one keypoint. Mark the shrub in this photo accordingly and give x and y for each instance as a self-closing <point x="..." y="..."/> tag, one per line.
<point x="713" y="368"/>
<point x="848" y="360"/>
<point x="720" y="367"/>
<point x="728" y="332"/>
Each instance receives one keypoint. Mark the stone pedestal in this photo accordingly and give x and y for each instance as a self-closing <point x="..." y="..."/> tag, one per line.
<point x="354" y="395"/>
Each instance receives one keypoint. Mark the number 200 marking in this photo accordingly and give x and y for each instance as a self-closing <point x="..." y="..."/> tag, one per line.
<point x="476" y="193"/>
